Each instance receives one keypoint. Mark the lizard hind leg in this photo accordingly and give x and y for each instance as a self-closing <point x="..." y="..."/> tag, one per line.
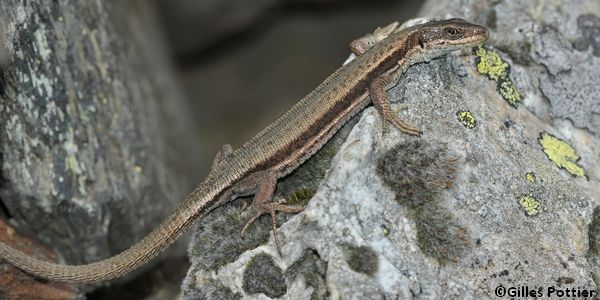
<point x="360" y="45"/>
<point x="265" y="182"/>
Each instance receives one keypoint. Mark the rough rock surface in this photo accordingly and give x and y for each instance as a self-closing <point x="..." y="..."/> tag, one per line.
<point x="502" y="189"/>
<point x="92" y="125"/>
<point x="16" y="284"/>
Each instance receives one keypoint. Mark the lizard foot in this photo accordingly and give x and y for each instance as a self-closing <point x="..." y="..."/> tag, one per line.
<point x="389" y="115"/>
<point x="262" y="184"/>
<point x="270" y="208"/>
<point x="379" y="97"/>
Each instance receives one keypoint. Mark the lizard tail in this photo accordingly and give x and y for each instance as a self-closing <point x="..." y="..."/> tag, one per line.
<point x="140" y="253"/>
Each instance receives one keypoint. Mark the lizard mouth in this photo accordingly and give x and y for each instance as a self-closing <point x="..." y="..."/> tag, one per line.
<point x="480" y="36"/>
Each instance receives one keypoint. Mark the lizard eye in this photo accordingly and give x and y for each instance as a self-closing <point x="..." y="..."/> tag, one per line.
<point x="452" y="31"/>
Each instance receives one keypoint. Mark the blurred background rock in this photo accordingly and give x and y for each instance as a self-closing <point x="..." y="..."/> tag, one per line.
<point x="242" y="63"/>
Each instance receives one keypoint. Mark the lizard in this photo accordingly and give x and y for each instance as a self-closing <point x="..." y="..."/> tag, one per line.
<point x="255" y="167"/>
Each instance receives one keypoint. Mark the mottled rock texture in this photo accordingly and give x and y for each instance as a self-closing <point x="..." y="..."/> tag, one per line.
<point x="92" y="127"/>
<point x="502" y="189"/>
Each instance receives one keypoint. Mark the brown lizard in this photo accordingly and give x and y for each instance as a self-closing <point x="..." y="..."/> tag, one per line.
<point x="281" y="147"/>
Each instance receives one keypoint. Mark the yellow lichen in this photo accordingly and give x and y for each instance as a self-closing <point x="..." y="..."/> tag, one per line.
<point x="562" y="154"/>
<point x="529" y="204"/>
<point x="509" y="92"/>
<point x="72" y="164"/>
<point x="467" y="119"/>
<point x="530" y="176"/>
<point x="490" y="64"/>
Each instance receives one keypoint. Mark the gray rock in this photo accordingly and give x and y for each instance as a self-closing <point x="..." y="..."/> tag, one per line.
<point x="92" y="125"/>
<point x="499" y="191"/>
<point x="211" y="20"/>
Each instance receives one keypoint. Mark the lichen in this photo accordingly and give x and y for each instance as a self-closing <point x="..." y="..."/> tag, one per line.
<point x="530" y="176"/>
<point x="529" y="204"/>
<point x="490" y="64"/>
<point x="467" y="119"/>
<point x="562" y="154"/>
<point x="509" y="92"/>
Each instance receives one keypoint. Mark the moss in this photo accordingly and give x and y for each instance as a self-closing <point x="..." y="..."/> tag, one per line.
<point x="519" y="51"/>
<point x="562" y="154"/>
<point x="530" y="176"/>
<point x="439" y="235"/>
<point x="467" y="119"/>
<point x="416" y="169"/>
<point x="490" y="64"/>
<point x="300" y="196"/>
<point x="313" y="269"/>
<point x="529" y="204"/>
<point x="386" y="231"/>
<point x="418" y="172"/>
<point x="263" y="276"/>
<point x="492" y="19"/>
<point x="362" y="259"/>
<point x="596" y="279"/>
<point x="594" y="234"/>
<point x="210" y="289"/>
<point x="217" y="237"/>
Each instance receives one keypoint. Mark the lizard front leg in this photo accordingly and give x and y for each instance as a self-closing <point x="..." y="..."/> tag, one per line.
<point x="378" y="93"/>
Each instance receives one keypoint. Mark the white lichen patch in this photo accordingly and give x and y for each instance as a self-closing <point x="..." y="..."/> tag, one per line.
<point x="42" y="84"/>
<point x="73" y="164"/>
<point x="72" y="149"/>
<point x="100" y="62"/>
<point x="41" y="43"/>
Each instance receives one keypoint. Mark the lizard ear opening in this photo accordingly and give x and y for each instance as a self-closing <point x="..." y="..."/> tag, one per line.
<point x="421" y="42"/>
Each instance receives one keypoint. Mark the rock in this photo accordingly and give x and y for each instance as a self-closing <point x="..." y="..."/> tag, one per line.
<point x="212" y="21"/>
<point x="93" y="129"/>
<point x="16" y="284"/>
<point x="501" y="191"/>
<point x="197" y="27"/>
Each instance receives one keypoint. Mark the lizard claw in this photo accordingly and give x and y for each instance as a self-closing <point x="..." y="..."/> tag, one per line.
<point x="270" y="208"/>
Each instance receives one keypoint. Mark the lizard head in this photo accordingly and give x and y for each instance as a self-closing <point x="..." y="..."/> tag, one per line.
<point x="451" y="34"/>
